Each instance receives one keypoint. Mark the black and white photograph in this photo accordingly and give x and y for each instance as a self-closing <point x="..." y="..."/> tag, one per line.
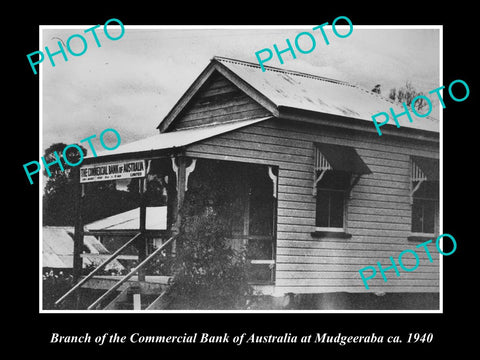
<point x="212" y="179"/>
<point x="235" y="181"/>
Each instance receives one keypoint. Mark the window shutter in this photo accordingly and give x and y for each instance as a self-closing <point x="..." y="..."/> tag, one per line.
<point x="417" y="176"/>
<point x="321" y="163"/>
<point x="417" y="173"/>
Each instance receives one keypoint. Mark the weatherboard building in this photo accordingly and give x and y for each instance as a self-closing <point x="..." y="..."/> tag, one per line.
<point x="317" y="192"/>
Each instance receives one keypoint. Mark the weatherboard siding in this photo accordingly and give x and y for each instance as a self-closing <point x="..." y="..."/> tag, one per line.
<point x="378" y="213"/>
<point x="218" y="101"/>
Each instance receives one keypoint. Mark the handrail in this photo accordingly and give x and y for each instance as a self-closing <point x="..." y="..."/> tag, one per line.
<point x="130" y="274"/>
<point x="97" y="269"/>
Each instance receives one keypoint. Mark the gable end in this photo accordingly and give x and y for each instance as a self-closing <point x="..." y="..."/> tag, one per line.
<point x="217" y="101"/>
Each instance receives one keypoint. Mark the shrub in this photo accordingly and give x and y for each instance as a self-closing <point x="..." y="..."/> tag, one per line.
<point x="55" y="284"/>
<point x="208" y="274"/>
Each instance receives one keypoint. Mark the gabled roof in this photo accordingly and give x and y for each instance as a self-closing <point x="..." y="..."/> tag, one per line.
<point x="278" y="89"/>
<point x="156" y="219"/>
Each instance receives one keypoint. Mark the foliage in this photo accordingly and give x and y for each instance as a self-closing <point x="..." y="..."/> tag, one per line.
<point x="377" y="89"/>
<point x="55" y="285"/>
<point x="73" y="156"/>
<point x="59" y="189"/>
<point x="160" y="265"/>
<point x="208" y="273"/>
<point x="406" y="94"/>
<point x="87" y="269"/>
<point x="59" y="193"/>
<point x="102" y="199"/>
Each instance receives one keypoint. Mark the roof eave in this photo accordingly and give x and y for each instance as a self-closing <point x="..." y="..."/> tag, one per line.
<point x="312" y="117"/>
<point x="144" y="155"/>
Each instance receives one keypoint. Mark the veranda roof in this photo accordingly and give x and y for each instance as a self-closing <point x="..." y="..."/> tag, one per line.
<point x="175" y="139"/>
<point x="156" y="219"/>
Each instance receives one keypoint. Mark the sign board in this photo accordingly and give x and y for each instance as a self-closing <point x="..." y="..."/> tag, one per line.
<point x="112" y="171"/>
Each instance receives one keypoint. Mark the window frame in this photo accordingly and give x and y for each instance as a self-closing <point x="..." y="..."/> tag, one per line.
<point x="415" y="185"/>
<point x="344" y="212"/>
<point x="436" y="208"/>
<point x="346" y="162"/>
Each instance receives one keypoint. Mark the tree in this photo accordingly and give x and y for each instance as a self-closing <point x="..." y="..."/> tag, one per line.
<point x="406" y="94"/>
<point x="377" y="89"/>
<point x="101" y="199"/>
<point x="59" y="191"/>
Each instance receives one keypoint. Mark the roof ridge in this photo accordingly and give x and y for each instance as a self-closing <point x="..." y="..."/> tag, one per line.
<point x="307" y="75"/>
<point x="287" y="71"/>
<point x="383" y="97"/>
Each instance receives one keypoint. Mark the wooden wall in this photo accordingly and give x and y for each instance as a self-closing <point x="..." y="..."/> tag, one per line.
<point x="218" y="101"/>
<point x="378" y="213"/>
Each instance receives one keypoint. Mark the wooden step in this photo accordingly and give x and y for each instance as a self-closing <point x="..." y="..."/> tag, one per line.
<point x="125" y="299"/>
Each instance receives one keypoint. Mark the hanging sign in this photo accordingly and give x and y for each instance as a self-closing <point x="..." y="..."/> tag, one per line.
<point x="112" y="171"/>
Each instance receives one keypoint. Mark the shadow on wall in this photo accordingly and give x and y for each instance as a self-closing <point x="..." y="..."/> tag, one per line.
<point x="350" y="301"/>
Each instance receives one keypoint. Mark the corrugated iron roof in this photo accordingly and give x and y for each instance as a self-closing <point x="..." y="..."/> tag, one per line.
<point x="156" y="219"/>
<point x="281" y="89"/>
<point x="52" y="260"/>
<point x="177" y="139"/>
<point x="303" y="91"/>
<point x="57" y="248"/>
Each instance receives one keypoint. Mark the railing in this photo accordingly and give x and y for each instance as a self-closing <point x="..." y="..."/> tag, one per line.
<point x="130" y="274"/>
<point x="96" y="270"/>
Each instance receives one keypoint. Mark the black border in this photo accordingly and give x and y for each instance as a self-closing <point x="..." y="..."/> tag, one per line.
<point x="31" y="330"/>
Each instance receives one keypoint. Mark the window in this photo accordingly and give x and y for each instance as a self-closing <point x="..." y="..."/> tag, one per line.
<point x="336" y="170"/>
<point x="423" y="216"/>
<point x="424" y="195"/>
<point x="331" y="193"/>
<point x="424" y="208"/>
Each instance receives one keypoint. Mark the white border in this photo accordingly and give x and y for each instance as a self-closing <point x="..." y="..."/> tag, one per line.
<point x="40" y="177"/>
<point x="246" y="27"/>
<point x="440" y="56"/>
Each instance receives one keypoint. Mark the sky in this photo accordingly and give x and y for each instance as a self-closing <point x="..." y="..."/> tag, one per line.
<point x="130" y="84"/>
